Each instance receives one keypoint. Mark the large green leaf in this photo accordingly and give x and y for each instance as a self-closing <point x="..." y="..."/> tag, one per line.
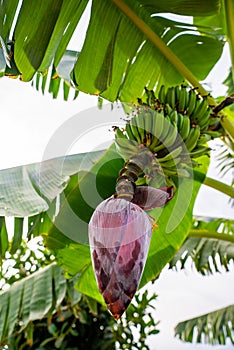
<point x="30" y="299"/>
<point x="214" y="328"/>
<point x="123" y="67"/>
<point x="27" y="190"/>
<point x="125" y="61"/>
<point x="30" y="192"/>
<point x="42" y="31"/>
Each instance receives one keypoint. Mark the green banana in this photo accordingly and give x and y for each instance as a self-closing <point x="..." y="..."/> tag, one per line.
<point x="170" y="97"/>
<point x="125" y="147"/>
<point x="172" y="155"/>
<point x="177" y="94"/>
<point x="185" y="128"/>
<point x="150" y="96"/>
<point x="157" y="128"/>
<point x="148" y="121"/>
<point x="200" y="109"/>
<point x="192" y="99"/>
<point x="183" y="99"/>
<point x="204" y="138"/>
<point x="134" y="128"/>
<point x="214" y="134"/>
<point x="168" y="109"/>
<point x="140" y="120"/>
<point x="171" y="137"/>
<point x="129" y="132"/>
<point x="162" y="94"/>
<point x="214" y="120"/>
<point x="163" y="136"/>
<point x="170" y="163"/>
<point x="180" y="119"/>
<point x="119" y="133"/>
<point x="199" y="151"/>
<point x="192" y="138"/>
<point x="148" y="127"/>
<point x="205" y="121"/>
<point x="173" y="116"/>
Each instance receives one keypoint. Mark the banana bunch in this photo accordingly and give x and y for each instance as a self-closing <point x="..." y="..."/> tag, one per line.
<point x="173" y="126"/>
<point x="188" y="103"/>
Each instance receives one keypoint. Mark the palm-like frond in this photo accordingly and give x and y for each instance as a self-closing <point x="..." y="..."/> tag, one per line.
<point x="225" y="159"/>
<point x="208" y="255"/>
<point x="214" y="328"/>
<point x="36" y="35"/>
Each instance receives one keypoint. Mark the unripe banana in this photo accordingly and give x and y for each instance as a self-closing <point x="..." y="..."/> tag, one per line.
<point x="180" y="119"/>
<point x="204" y="138"/>
<point x="119" y="133"/>
<point x="192" y="139"/>
<point x="177" y="94"/>
<point x="185" y="128"/>
<point x="129" y="132"/>
<point x="214" y="134"/>
<point x="173" y="116"/>
<point x="170" y="163"/>
<point x="162" y="94"/>
<point x="199" y="151"/>
<point x="192" y="99"/>
<point x="171" y="137"/>
<point x="170" y="97"/>
<point x="150" y="96"/>
<point x="168" y="109"/>
<point x="140" y="120"/>
<point x="148" y="120"/>
<point x="133" y="125"/>
<point x="183" y="99"/>
<point x="177" y="171"/>
<point x="205" y="120"/>
<point x="172" y="155"/>
<point x="214" y="120"/>
<point x="200" y="109"/>
<point x="164" y="134"/>
<point x="157" y="129"/>
<point x="126" y="148"/>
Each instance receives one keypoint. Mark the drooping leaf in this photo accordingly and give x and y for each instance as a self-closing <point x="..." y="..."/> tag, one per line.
<point x="125" y="61"/>
<point x="31" y="299"/>
<point x="208" y="255"/>
<point x="30" y="192"/>
<point x="215" y="328"/>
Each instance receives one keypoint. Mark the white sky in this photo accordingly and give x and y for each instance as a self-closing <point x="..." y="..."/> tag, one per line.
<point x="29" y="120"/>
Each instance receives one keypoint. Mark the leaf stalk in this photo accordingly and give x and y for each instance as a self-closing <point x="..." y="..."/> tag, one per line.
<point x="211" y="234"/>
<point x="219" y="186"/>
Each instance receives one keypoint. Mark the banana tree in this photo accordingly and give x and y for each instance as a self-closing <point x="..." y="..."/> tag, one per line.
<point x="134" y="46"/>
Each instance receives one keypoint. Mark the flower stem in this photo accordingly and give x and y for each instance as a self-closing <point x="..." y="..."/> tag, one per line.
<point x="211" y="234"/>
<point x="219" y="186"/>
<point x="125" y="184"/>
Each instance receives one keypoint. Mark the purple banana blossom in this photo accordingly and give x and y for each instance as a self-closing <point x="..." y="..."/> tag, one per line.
<point x="119" y="235"/>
